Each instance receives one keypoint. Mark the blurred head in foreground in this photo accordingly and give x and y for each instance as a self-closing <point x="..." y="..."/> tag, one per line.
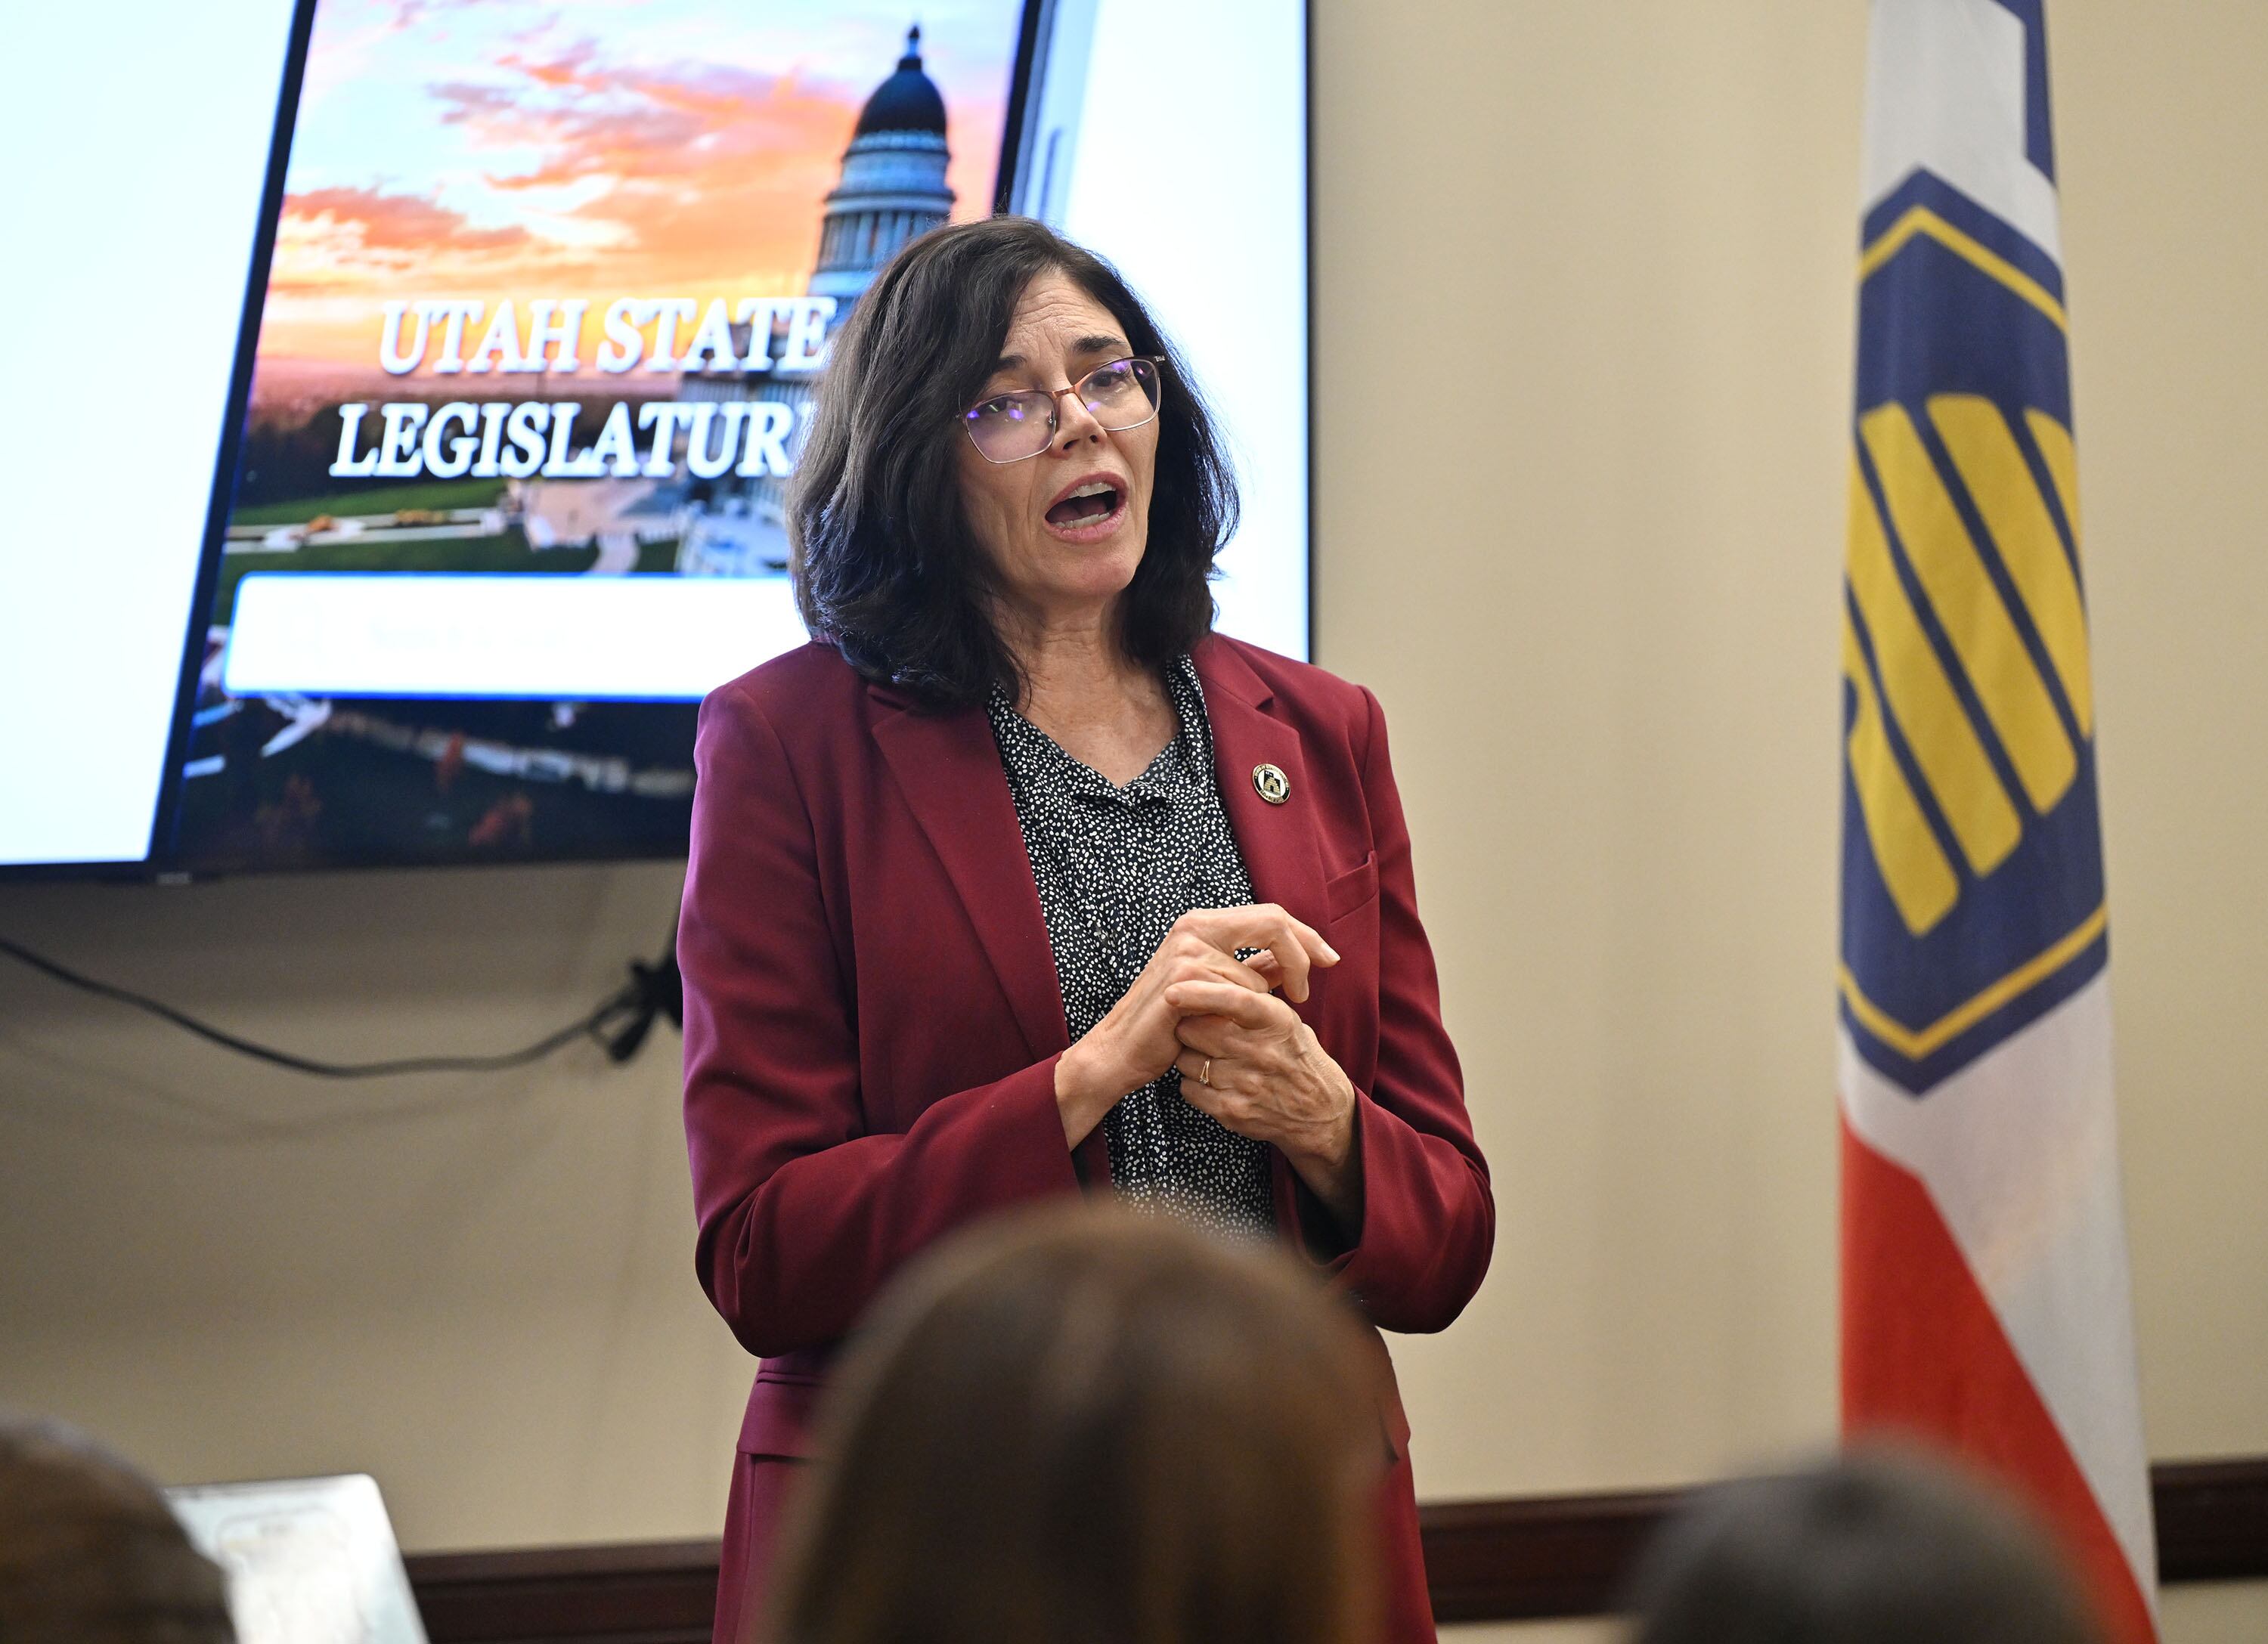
<point x="1882" y="1547"/>
<point x="90" y="1554"/>
<point x="1094" y="1427"/>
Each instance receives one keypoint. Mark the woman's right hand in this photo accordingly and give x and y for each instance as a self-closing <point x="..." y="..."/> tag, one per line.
<point x="1138" y="1040"/>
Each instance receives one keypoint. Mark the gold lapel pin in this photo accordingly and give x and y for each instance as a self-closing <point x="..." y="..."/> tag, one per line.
<point x="1270" y="784"/>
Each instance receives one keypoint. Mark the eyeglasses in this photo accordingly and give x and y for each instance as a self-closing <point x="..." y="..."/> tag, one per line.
<point x="1010" y="428"/>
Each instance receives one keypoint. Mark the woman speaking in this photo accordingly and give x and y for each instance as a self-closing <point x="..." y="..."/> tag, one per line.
<point x="1018" y="881"/>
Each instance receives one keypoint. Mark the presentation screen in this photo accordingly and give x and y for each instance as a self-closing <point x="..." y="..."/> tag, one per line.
<point x="541" y="297"/>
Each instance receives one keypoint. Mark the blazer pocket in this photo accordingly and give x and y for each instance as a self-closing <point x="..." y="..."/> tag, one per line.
<point x="779" y="1422"/>
<point x="1351" y="890"/>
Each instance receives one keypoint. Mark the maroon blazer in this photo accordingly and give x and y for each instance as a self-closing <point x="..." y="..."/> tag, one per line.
<point x="872" y="1015"/>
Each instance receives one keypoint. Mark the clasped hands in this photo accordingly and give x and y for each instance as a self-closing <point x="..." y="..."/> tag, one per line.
<point x="1244" y="1054"/>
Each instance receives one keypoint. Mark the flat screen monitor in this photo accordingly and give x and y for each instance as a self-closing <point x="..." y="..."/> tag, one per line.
<point x="423" y="544"/>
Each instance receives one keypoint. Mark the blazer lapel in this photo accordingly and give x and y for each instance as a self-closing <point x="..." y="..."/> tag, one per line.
<point x="1279" y="840"/>
<point x="949" y="770"/>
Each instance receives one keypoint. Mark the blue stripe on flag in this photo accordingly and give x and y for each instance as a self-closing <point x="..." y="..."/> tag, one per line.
<point x="2039" y="141"/>
<point x="1957" y="209"/>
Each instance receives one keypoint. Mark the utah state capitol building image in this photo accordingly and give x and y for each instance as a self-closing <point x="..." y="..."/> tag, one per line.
<point x="892" y="189"/>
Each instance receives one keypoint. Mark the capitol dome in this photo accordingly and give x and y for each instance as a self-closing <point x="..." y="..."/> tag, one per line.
<point x="907" y="101"/>
<point x="893" y="187"/>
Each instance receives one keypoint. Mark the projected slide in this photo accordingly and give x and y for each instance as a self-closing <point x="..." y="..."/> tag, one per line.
<point x="551" y="291"/>
<point x="548" y="292"/>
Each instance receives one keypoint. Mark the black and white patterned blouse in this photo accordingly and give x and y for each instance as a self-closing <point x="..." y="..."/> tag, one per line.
<point x="1115" y="867"/>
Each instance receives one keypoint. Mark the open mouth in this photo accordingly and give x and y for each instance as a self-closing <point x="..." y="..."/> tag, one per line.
<point x="1091" y="504"/>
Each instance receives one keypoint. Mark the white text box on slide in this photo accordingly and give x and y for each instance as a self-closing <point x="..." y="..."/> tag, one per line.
<point x="552" y="638"/>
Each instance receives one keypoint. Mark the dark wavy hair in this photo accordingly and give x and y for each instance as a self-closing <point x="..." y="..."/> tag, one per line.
<point x="883" y="559"/>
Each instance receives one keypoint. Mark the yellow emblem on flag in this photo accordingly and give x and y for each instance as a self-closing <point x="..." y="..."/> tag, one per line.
<point x="1954" y="573"/>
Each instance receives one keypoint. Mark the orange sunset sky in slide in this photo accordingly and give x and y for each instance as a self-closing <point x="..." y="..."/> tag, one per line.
<point x="487" y="148"/>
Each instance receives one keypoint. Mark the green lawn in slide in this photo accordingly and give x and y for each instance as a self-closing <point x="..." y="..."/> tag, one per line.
<point x="440" y="494"/>
<point x="508" y="552"/>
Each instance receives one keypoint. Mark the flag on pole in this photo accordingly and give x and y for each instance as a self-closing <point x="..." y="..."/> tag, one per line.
<point x="1986" y="1299"/>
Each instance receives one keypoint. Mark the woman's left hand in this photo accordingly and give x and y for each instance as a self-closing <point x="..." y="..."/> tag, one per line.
<point x="1248" y="1060"/>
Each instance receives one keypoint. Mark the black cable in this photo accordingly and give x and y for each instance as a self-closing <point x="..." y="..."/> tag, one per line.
<point x="649" y="992"/>
<point x="654" y="990"/>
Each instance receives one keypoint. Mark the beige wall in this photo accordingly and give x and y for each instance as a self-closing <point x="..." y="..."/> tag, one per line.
<point x="1605" y="251"/>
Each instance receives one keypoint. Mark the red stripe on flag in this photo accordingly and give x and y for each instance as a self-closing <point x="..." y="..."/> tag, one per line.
<point x="1923" y="1354"/>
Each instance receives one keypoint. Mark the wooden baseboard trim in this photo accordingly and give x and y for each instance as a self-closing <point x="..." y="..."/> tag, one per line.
<point x="647" y="1592"/>
<point x="1528" y="1557"/>
<point x="2212" y="1519"/>
<point x="1523" y="1558"/>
